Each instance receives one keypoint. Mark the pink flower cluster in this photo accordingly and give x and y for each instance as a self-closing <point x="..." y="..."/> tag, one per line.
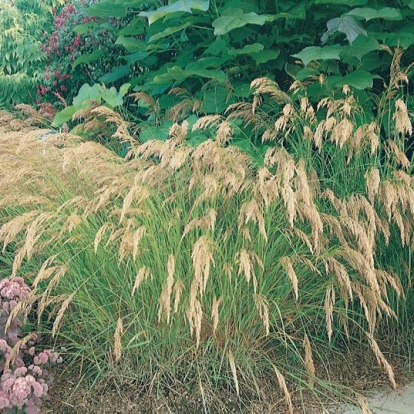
<point x="21" y="389"/>
<point x="23" y="381"/>
<point x="63" y="23"/>
<point x="61" y="19"/>
<point x="12" y="291"/>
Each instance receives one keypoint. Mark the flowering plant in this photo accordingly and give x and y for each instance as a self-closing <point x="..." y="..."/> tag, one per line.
<point x="24" y="379"/>
<point x="61" y="48"/>
<point x="61" y="77"/>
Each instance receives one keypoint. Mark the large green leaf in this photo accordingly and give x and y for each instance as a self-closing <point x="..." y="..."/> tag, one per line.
<point x="235" y="18"/>
<point x="246" y="50"/>
<point x="386" y="13"/>
<point x="106" y="8"/>
<point x="344" y="24"/>
<point x="124" y="88"/>
<point x="216" y="48"/>
<point x="242" y="90"/>
<point x="134" y="27"/>
<point x="168" y="32"/>
<point x="359" y="79"/>
<point x="402" y="39"/>
<point x="93" y="57"/>
<point x="63" y="116"/>
<point x="295" y="12"/>
<point x="319" y="53"/>
<point x="185" y="6"/>
<point x="265" y="55"/>
<point x="117" y="73"/>
<point x="203" y="63"/>
<point x="360" y="47"/>
<point x="112" y="97"/>
<point x="155" y="132"/>
<point x="136" y="57"/>
<point x="215" y="100"/>
<point x="87" y="93"/>
<point x="130" y="44"/>
<point x="177" y="74"/>
<point x="85" y="28"/>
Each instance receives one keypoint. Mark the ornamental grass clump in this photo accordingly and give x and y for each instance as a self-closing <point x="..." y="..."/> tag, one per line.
<point x="24" y="378"/>
<point x="184" y="266"/>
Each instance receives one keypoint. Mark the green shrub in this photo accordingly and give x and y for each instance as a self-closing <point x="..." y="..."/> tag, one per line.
<point x="22" y="25"/>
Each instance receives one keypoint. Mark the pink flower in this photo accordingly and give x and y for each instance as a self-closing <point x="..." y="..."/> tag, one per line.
<point x="20" y="390"/>
<point x="4" y="402"/>
<point x="20" y="372"/>
<point x="36" y="370"/>
<point x="12" y="304"/>
<point x="38" y="389"/>
<point x="8" y="383"/>
<point x="42" y="358"/>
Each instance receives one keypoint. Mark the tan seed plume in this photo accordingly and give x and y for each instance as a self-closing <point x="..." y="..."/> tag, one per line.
<point x="309" y="364"/>
<point x="285" y="390"/>
<point x="286" y="262"/>
<point x="61" y="312"/>
<point x="142" y="274"/>
<point x="117" y="349"/>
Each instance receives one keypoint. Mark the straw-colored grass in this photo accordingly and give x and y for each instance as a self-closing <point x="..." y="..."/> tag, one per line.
<point x="193" y="266"/>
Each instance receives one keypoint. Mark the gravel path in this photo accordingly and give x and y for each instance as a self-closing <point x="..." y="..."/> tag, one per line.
<point x="399" y="401"/>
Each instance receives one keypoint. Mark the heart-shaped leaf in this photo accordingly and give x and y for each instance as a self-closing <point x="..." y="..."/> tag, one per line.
<point x="359" y="79"/>
<point x="248" y="49"/>
<point x="360" y="47"/>
<point x="168" y="32"/>
<point x="177" y="74"/>
<point x="347" y="25"/>
<point x="94" y="56"/>
<point x="235" y="18"/>
<point x="386" y="13"/>
<point x="185" y="6"/>
<point x="318" y="53"/>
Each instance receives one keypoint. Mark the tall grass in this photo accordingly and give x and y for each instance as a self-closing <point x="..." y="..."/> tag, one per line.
<point x="183" y="266"/>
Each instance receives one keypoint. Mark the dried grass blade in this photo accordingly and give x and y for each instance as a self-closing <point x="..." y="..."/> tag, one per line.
<point x="233" y="371"/>
<point x="284" y="389"/>
<point x="61" y="312"/>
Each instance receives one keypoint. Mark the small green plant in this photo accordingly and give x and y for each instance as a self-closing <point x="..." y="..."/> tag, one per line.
<point x="89" y="97"/>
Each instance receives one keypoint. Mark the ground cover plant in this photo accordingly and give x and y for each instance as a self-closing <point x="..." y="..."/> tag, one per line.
<point x="25" y="380"/>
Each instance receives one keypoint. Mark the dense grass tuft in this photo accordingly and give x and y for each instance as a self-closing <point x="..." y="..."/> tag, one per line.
<point x="195" y="267"/>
